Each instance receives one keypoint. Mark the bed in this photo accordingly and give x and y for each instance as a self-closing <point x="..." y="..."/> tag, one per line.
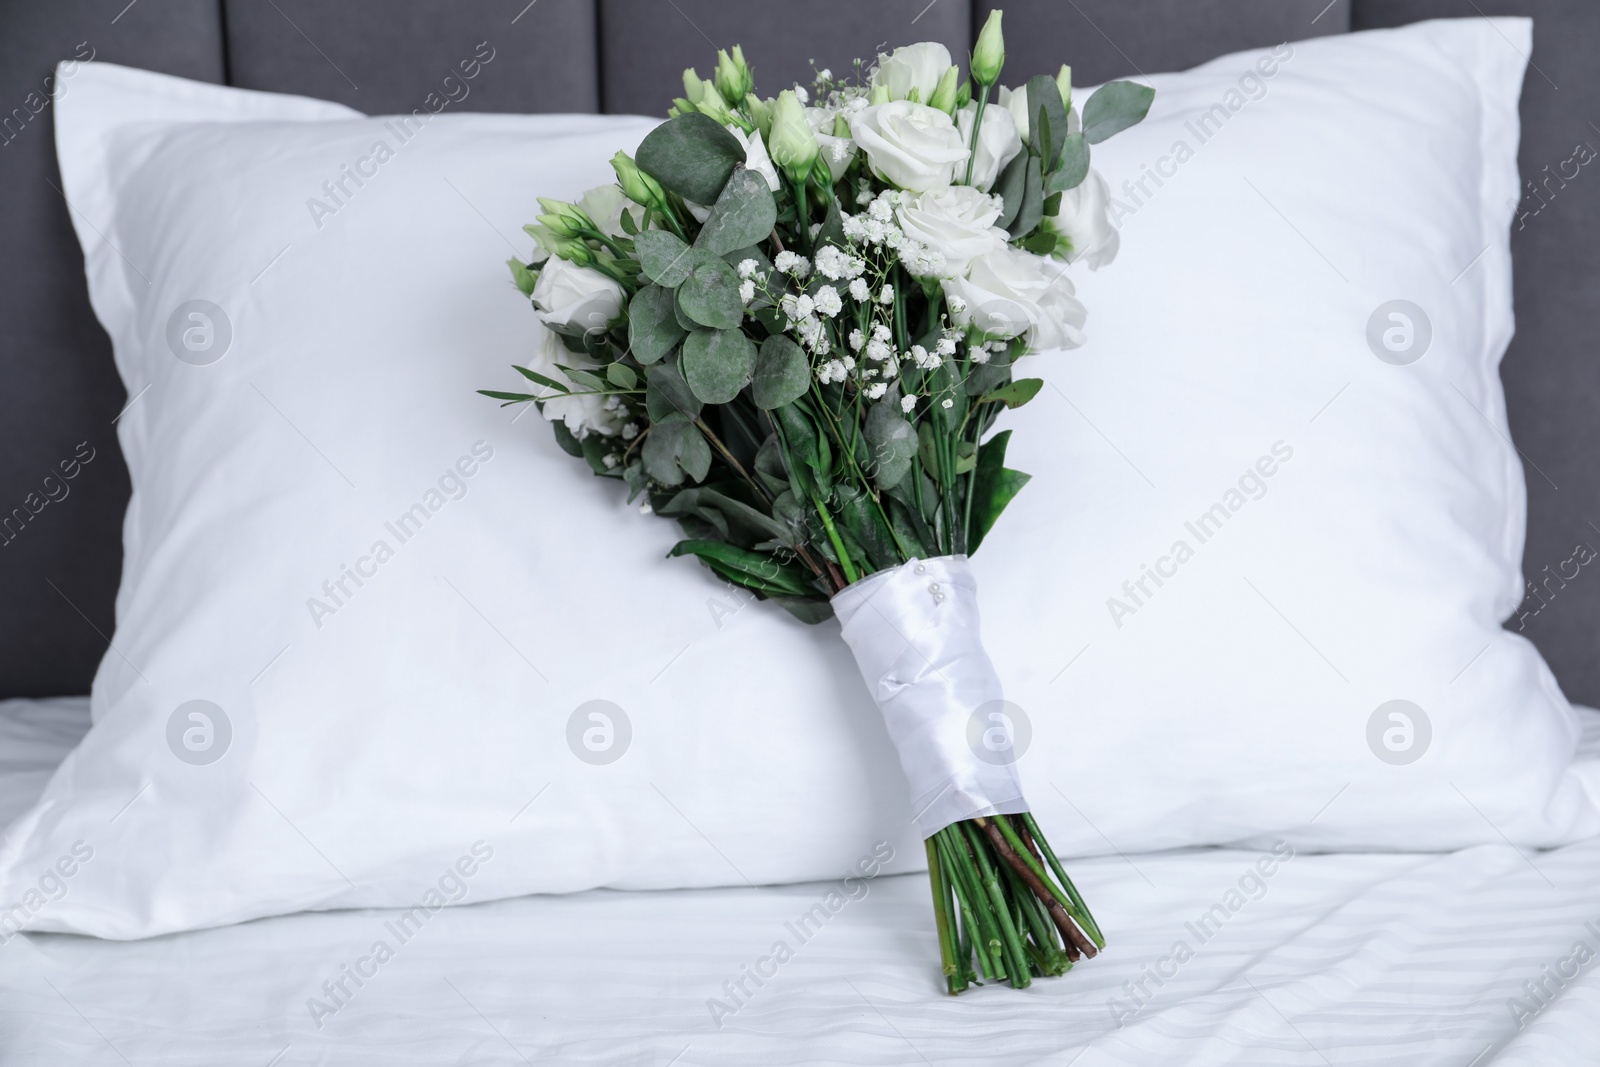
<point x="1484" y="956"/>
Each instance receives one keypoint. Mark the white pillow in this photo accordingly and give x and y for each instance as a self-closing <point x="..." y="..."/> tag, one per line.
<point x="438" y="709"/>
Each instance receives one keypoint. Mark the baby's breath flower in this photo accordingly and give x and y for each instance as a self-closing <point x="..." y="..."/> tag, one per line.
<point x="887" y="295"/>
<point x="827" y="301"/>
<point x="857" y="339"/>
<point x="979" y="356"/>
<point x="946" y="346"/>
<point x="957" y="305"/>
<point x="748" y="267"/>
<point x="792" y="263"/>
<point x="908" y="402"/>
<point x="861" y="290"/>
<point x="630" y="431"/>
<point x="747" y="290"/>
<point x="878" y="350"/>
<point x="877" y="389"/>
<point x="947" y="403"/>
<point x="880" y="331"/>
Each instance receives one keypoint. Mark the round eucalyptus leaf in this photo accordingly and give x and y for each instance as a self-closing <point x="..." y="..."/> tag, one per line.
<point x="718" y="363"/>
<point x="653" y="328"/>
<point x="691" y="155"/>
<point x="783" y="374"/>
<point x="664" y="257"/>
<point x="743" y="214"/>
<point x="710" y="294"/>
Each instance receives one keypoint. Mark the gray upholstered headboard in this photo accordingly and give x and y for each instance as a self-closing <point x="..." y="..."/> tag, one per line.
<point x="59" y="394"/>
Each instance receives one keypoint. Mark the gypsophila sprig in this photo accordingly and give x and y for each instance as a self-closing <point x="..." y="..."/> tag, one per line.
<point x="792" y="326"/>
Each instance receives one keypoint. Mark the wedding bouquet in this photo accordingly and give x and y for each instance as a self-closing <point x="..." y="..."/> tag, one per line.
<point x="790" y="326"/>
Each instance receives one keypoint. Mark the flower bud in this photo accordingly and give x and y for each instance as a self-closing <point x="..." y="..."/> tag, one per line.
<point x="693" y="87"/>
<point x="964" y="95"/>
<point x="880" y="94"/>
<point x="564" y="219"/>
<point x="760" y="113"/>
<point x="636" y="184"/>
<point x="792" y="144"/>
<point x="990" y="54"/>
<point x="732" y="78"/>
<point x="944" y="95"/>
<point x="573" y="250"/>
<point x="1064" y="85"/>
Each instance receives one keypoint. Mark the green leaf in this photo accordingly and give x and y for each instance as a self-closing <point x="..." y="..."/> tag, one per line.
<point x="945" y="383"/>
<point x="1010" y="187"/>
<point x="739" y="255"/>
<point x="1113" y="108"/>
<point x="807" y="450"/>
<point x="691" y="155"/>
<point x="622" y="376"/>
<point x="588" y="379"/>
<point x="1040" y="242"/>
<point x="522" y="276"/>
<point x="1073" y="166"/>
<point x="782" y="374"/>
<point x="629" y="227"/>
<point x="857" y="514"/>
<point x="770" y="467"/>
<point x="893" y="442"/>
<point x="779" y="577"/>
<point x="710" y="294"/>
<point x="1015" y="394"/>
<point x="664" y="257"/>
<point x="539" y="379"/>
<point x="666" y="392"/>
<point x="1047" y="135"/>
<point x="1032" y="207"/>
<point x="569" y="444"/>
<point x="809" y="610"/>
<point x="717" y="364"/>
<point x="993" y="487"/>
<point x="675" y="448"/>
<point x="594" y="449"/>
<point x="743" y="214"/>
<point x="510" y="398"/>
<point x="832" y="232"/>
<point x="653" y="328"/>
<point x="741" y="513"/>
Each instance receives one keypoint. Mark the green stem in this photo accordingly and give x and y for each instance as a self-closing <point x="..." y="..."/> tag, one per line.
<point x="941" y="918"/>
<point x="968" y="925"/>
<point x="802" y="216"/>
<point x="1090" y="927"/>
<point x="986" y="934"/>
<point x="851" y="575"/>
<point x="1016" y="960"/>
<point x="977" y="127"/>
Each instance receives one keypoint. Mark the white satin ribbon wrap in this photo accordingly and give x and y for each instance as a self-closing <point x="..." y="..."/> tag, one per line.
<point x="914" y="632"/>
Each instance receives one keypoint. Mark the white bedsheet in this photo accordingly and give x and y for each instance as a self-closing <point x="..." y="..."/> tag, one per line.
<point x="1338" y="959"/>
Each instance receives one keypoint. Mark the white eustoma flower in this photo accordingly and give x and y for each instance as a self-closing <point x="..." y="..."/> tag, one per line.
<point x="838" y="151"/>
<point x="582" y="414"/>
<point x="912" y="146"/>
<point x="605" y="205"/>
<point x="570" y="295"/>
<point x="998" y="143"/>
<point x="1016" y="102"/>
<point x="912" y="67"/>
<point x="755" y="155"/>
<point x="1012" y="293"/>
<point x="1082" y="224"/>
<point x="958" y="222"/>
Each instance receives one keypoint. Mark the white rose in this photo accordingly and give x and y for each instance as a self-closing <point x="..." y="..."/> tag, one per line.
<point x="1082" y="224"/>
<point x="912" y="146"/>
<point x="605" y="205"/>
<point x="582" y="414"/>
<point x="1009" y="292"/>
<point x="912" y="67"/>
<point x="838" y="151"/>
<point x="570" y="295"/>
<point x="956" y="221"/>
<point x="998" y="142"/>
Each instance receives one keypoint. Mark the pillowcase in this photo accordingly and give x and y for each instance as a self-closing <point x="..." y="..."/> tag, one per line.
<point x="373" y="629"/>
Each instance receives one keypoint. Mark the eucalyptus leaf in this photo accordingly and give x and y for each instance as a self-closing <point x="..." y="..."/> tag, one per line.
<point x="743" y="214"/>
<point x="1010" y="187"/>
<point x="717" y="364"/>
<point x="710" y="294"/>
<point x="621" y="375"/>
<point x="1114" y="107"/>
<point x="564" y="437"/>
<point x="1014" y="394"/>
<point x="666" y="392"/>
<point x="1047" y="136"/>
<point x="782" y="373"/>
<point x="653" y="328"/>
<point x="539" y="379"/>
<point x="893" y="442"/>
<point x="771" y="469"/>
<point x="590" y="381"/>
<point x="674" y="449"/>
<point x="691" y="155"/>
<point x="665" y="258"/>
<point x="1073" y="166"/>
<point x="1032" y="209"/>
